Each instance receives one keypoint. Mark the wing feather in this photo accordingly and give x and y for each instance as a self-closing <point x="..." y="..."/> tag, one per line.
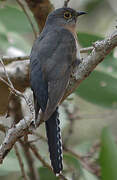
<point x="51" y="61"/>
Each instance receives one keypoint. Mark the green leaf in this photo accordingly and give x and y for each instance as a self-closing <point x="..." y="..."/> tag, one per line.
<point x="14" y="20"/>
<point x="74" y="163"/>
<point x="88" y="175"/>
<point x="92" y="4"/>
<point x="19" y="42"/>
<point x="13" y="40"/>
<point x="108" y="156"/>
<point x="45" y="173"/>
<point x="9" y="163"/>
<point x="109" y="65"/>
<point x="71" y="160"/>
<point x="99" y="88"/>
<point x="84" y="147"/>
<point x="86" y="39"/>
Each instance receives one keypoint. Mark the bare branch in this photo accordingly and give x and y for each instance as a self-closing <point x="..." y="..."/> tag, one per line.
<point x="85" y="163"/>
<point x="7" y="60"/>
<point x="39" y="136"/>
<point x="3" y="128"/>
<point x="18" y="93"/>
<point x="24" y="176"/>
<point x="30" y="160"/>
<point x="8" y="79"/>
<point x="71" y="116"/>
<point x="100" y="51"/>
<point x="86" y="50"/>
<point x="40" y="10"/>
<point x="28" y="17"/>
<point x="36" y="153"/>
<point x="91" y="167"/>
<point x="12" y="136"/>
<point x="5" y="82"/>
<point x="14" y="109"/>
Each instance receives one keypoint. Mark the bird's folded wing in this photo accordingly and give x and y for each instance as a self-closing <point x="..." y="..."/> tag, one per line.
<point x="51" y="68"/>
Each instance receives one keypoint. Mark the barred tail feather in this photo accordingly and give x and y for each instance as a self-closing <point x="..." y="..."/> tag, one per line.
<point x="54" y="142"/>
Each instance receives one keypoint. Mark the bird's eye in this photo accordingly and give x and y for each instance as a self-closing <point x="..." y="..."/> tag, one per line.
<point x="67" y="15"/>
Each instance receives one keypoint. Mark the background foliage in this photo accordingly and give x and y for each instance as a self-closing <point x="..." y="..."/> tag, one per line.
<point x="96" y="97"/>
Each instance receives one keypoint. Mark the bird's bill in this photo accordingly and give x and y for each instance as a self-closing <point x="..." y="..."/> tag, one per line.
<point x="81" y="13"/>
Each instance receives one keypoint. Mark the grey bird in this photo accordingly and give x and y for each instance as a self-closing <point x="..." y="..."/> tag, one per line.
<point x="52" y="59"/>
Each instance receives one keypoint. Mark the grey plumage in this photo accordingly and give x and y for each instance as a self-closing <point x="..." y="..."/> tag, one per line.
<point x="54" y="69"/>
<point x="52" y="58"/>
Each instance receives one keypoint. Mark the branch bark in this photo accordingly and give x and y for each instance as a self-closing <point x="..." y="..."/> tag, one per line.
<point x="24" y="175"/>
<point x="45" y="164"/>
<point x="40" y="10"/>
<point x="30" y="161"/>
<point x="101" y="49"/>
<point x="28" y="17"/>
<point x="19" y="73"/>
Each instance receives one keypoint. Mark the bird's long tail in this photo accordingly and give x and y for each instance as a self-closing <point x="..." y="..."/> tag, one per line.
<point x="54" y="142"/>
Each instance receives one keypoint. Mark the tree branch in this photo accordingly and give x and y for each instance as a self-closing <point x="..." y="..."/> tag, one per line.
<point x="28" y="17"/>
<point x="19" y="74"/>
<point x="7" y="60"/>
<point x="40" y="10"/>
<point x="36" y="153"/>
<point x="30" y="160"/>
<point x="86" y="50"/>
<point x="3" y="128"/>
<point x="18" y="93"/>
<point x="89" y="166"/>
<point x="24" y="176"/>
<point x="101" y="49"/>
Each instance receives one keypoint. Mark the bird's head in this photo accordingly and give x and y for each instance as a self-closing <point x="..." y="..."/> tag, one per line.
<point x="64" y="16"/>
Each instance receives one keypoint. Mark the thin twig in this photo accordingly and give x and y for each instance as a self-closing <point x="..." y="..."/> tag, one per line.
<point x="85" y="163"/>
<point x="95" y="147"/>
<point x="9" y="81"/>
<point x="36" y="153"/>
<point x="93" y="168"/>
<point x="3" y="128"/>
<point x="39" y="136"/>
<point x="30" y="160"/>
<point x="28" y="101"/>
<point x="22" y="58"/>
<point x="35" y="140"/>
<point x="100" y="51"/>
<point x="5" y="82"/>
<point x="28" y="17"/>
<point x="86" y="50"/>
<point x="11" y="59"/>
<point x="24" y="176"/>
<point x="72" y="116"/>
<point x="40" y="10"/>
<point x="18" y="93"/>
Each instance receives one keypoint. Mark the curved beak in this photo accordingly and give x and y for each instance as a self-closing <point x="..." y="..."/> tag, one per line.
<point x="80" y="13"/>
